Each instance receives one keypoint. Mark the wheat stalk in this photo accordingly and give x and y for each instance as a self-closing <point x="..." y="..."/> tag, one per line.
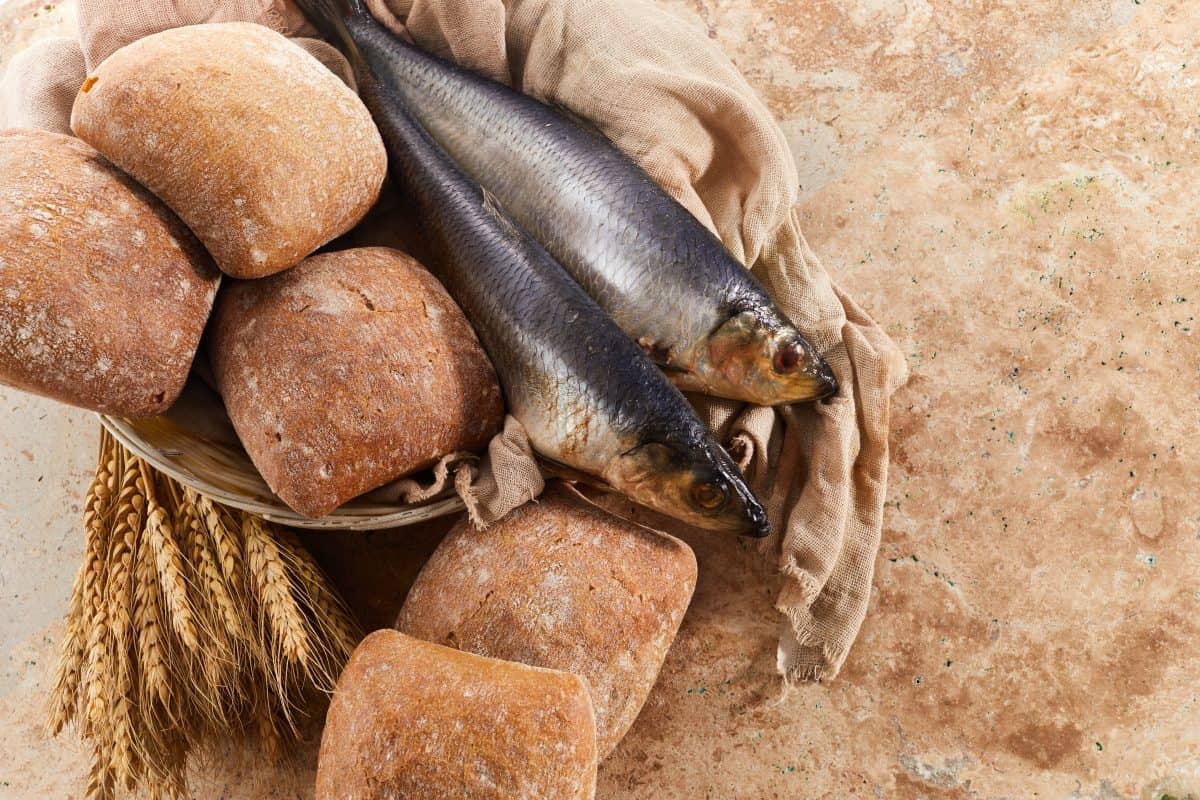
<point x="94" y="618"/>
<point x="131" y="506"/>
<point x="187" y="621"/>
<point x="225" y="542"/>
<point x="147" y="617"/>
<point x="340" y="631"/>
<point x="274" y="591"/>
<point x="70" y="662"/>
<point x="210" y="578"/>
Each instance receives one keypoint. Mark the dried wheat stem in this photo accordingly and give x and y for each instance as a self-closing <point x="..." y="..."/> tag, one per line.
<point x="147" y="616"/>
<point x="335" y="620"/>
<point x="131" y="506"/>
<point x="274" y="591"/>
<point x="171" y="577"/>
<point x="70" y="663"/>
<point x="211" y="581"/>
<point x="101" y="781"/>
<point x="98" y="535"/>
<point x="224" y="539"/>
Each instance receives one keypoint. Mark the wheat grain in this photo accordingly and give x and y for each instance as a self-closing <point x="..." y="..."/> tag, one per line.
<point x="224" y="539"/>
<point x="334" y="631"/>
<point x="274" y="591"/>
<point x="147" y="617"/>
<point x="124" y="762"/>
<point x="209" y="576"/>
<point x="130" y="516"/>
<point x="70" y="662"/>
<point x="171" y="577"/>
<point x="101" y="783"/>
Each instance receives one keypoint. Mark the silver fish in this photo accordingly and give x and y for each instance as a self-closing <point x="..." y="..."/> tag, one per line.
<point x="663" y="277"/>
<point x="587" y="396"/>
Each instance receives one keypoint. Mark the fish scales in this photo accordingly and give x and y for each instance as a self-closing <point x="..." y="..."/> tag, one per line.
<point x="664" y="278"/>
<point x="585" y="393"/>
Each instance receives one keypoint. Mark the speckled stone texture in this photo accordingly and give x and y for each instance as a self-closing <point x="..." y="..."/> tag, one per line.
<point x="1009" y="188"/>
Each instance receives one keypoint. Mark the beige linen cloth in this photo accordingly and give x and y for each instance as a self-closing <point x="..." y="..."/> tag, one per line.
<point x="666" y="95"/>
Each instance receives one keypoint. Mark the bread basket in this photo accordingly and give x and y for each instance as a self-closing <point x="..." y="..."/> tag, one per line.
<point x="195" y="443"/>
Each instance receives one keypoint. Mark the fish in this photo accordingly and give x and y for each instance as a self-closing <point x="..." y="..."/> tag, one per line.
<point x="661" y="275"/>
<point x="588" y="397"/>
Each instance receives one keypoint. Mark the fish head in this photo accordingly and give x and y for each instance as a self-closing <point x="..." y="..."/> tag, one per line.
<point x="758" y="358"/>
<point x="690" y="483"/>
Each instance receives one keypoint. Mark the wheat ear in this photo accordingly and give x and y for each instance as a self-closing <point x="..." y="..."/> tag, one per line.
<point x="170" y="565"/>
<point x="210" y="579"/>
<point x="274" y="591"/>
<point x="63" y="700"/>
<point x="70" y="662"/>
<point x="225" y="539"/>
<point x="338" y="633"/>
<point x="148" y="617"/>
<point x="98" y="680"/>
<point x="131" y="508"/>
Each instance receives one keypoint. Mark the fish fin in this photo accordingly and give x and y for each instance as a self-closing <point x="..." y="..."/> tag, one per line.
<point x="329" y="17"/>
<point x="493" y="207"/>
<point x="569" y="473"/>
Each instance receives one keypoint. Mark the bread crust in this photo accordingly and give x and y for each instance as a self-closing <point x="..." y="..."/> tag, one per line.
<point x="347" y="372"/>
<point x="104" y="292"/>
<point x="416" y="720"/>
<point x="562" y="584"/>
<point x="260" y="149"/>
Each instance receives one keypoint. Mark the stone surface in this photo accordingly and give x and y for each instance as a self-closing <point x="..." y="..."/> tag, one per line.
<point x="1008" y="188"/>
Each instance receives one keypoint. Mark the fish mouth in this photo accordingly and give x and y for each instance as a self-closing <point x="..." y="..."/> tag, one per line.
<point x="815" y="381"/>
<point x="702" y="487"/>
<point x="797" y="372"/>
<point x="759" y="360"/>
<point x="758" y="525"/>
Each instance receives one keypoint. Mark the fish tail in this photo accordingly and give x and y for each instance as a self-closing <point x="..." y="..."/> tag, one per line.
<point x="329" y="17"/>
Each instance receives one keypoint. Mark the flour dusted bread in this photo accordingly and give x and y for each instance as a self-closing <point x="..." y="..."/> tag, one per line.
<point x="103" y="291"/>
<point x="410" y="719"/>
<point x="349" y="371"/>
<point x="260" y="149"/>
<point x="562" y="584"/>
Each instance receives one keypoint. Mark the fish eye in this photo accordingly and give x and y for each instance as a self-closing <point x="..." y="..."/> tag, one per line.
<point x="710" y="496"/>
<point x="787" y="358"/>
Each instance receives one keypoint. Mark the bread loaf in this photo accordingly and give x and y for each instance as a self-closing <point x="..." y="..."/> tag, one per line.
<point x="349" y="371"/>
<point x="260" y="149"/>
<point x="559" y="583"/>
<point x="103" y="291"/>
<point x="410" y="719"/>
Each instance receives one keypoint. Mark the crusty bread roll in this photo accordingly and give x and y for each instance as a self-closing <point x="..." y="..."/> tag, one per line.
<point x="260" y="149"/>
<point x="103" y="291"/>
<point x="562" y="584"/>
<point x="410" y="719"/>
<point x="349" y="371"/>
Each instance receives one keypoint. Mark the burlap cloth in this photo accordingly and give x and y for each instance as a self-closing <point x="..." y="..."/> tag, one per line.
<point x="665" y="94"/>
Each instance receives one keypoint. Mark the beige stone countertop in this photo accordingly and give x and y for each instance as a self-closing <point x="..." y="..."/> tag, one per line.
<point x="1010" y="189"/>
